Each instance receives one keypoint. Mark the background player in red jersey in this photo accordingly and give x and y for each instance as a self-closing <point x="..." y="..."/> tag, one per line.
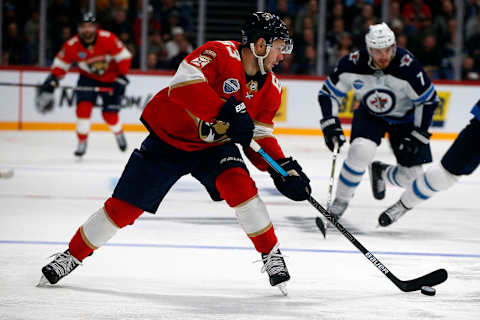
<point x="222" y="93"/>
<point x="103" y="61"/>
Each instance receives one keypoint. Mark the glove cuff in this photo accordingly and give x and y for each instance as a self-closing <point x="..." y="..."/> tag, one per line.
<point x="324" y="123"/>
<point x="421" y="135"/>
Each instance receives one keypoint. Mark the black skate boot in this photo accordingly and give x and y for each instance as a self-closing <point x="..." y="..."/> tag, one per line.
<point x="338" y="207"/>
<point x="121" y="141"/>
<point x="376" y="180"/>
<point x="62" y="265"/>
<point x="392" y="214"/>
<point x="81" y="148"/>
<point x="276" y="268"/>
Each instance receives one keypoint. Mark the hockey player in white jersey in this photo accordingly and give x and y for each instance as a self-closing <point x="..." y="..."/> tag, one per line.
<point x="396" y="96"/>
<point x="462" y="158"/>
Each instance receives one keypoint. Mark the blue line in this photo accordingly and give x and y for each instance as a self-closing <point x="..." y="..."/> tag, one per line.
<point x="176" y="246"/>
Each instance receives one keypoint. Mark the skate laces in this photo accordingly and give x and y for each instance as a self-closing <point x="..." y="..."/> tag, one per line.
<point x="63" y="263"/>
<point x="273" y="263"/>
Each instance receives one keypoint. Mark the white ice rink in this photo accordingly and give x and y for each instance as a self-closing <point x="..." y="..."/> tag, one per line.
<point x="192" y="261"/>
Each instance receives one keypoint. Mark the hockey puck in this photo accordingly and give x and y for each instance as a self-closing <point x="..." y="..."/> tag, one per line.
<point x="428" y="291"/>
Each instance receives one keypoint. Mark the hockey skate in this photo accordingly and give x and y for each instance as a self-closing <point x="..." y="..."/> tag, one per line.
<point x="337" y="208"/>
<point x="81" y="148"/>
<point x="392" y="214"/>
<point x="376" y="180"/>
<point x="276" y="269"/>
<point x="121" y="141"/>
<point x="62" y="264"/>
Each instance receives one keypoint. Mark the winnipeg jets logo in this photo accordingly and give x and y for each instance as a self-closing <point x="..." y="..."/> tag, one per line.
<point x="405" y="61"/>
<point x="354" y="56"/>
<point x="379" y="101"/>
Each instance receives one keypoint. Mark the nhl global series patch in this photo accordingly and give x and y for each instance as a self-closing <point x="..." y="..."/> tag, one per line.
<point x="231" y="85"/>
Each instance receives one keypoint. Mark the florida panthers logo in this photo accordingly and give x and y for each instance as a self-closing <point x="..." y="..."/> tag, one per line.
<point x="213" y="132"/>
<point x="379" y="101"/>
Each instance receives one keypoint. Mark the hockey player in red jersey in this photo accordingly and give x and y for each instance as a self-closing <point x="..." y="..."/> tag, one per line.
<point x="103" y="61"/>
<point x="222" y="93"/>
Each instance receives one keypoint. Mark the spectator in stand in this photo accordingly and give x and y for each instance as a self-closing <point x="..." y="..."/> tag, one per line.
<point x="310" y="9"/>
<point x="353" y="9"/>
<point x="469" y="71"/>
<point x="281" y="8"/>
<point x="429" y="57"/>
<point x="338" y="51"/>
<point x="337" y="13"/>
<point x="307" y="64"/>
<point x="395" y="19"/>
<point x="173" y="46"/>
<point x="184" y="48"/>
<point x="447" y="51"/>
<point x="31" y="29"/>
<point x="152" y="61"/>
<point x="361" y="23"/>
<point x="472" y="42"/>
<point x="153" y="25"/>
<point x="120" y="26"/>
<point x="415" y="12"/>
<point x="417" y="38"/>
<point x="15" y="45"/>
<point x="173" y="15"/>
<point x="472" y="25"/>
<point x="334" y="34"/>
<point x="441" y="20"/>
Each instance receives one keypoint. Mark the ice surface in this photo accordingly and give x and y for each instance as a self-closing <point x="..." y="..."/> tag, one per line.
<point x="192" y="260"/>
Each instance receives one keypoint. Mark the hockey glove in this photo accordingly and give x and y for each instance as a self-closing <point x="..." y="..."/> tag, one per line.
<point x="297" y="185"/>
<point x="332" y="132"/>
<point x="120" y="84"/>
<point x="413" y="145"/>
<point x="240" y="124"/>
<point x="44" y="100"/>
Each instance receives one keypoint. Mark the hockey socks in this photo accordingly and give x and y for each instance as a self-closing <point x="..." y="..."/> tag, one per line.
<point x="102" y="226"/>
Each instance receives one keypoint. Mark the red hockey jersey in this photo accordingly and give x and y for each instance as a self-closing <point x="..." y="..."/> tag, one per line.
<point x="183" y="114"/>
<point x="102" y="61"/>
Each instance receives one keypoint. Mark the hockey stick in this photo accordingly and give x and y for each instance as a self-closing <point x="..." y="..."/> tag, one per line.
<point x="318" y="220"/>
<point x="431" y="279"/>
<point x="32" y="85"/>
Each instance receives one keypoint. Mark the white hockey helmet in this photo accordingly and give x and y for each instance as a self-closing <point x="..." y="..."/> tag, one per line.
<point x="379" y="36"/>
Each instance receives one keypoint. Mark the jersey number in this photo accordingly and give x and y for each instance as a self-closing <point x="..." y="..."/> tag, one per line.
<point x="420" y="76"/>
<point x="232" y="50"/>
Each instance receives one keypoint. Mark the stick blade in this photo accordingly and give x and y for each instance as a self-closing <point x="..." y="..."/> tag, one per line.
<point x="321" y="226"/>
<point x="431" y="279"/>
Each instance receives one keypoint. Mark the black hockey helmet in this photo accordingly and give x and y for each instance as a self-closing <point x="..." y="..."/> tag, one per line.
<point x="268" y="26"/>
<point x="87" y="17"/>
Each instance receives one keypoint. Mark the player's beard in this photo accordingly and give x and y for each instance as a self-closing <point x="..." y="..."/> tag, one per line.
<point x="87" y="37"/>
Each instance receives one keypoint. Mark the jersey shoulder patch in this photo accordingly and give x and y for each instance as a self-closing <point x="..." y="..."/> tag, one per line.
<point x="104" y="33"/>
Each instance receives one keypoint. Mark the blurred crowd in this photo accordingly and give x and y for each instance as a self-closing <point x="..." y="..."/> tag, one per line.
<point x="425" y="27"/>
<point x="169" y="29"/>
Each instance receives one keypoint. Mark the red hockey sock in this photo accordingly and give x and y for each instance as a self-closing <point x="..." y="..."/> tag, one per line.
<point x="113" y="121"/>
<point x="84" y="111"/>
<point x="79" y="247"/>
<point x="265" y="242"/>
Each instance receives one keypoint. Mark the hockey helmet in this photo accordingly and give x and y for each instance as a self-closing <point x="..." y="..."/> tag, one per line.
<point x="87" y="17"/>
<point x="268" y="26"/>
<point x="379" y="36"/>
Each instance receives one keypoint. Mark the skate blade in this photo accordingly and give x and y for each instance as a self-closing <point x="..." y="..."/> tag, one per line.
<point x="283" y="288"/>
<point x="43" y="282"/>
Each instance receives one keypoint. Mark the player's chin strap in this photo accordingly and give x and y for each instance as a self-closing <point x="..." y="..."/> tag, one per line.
<point x="260" y="58"/>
